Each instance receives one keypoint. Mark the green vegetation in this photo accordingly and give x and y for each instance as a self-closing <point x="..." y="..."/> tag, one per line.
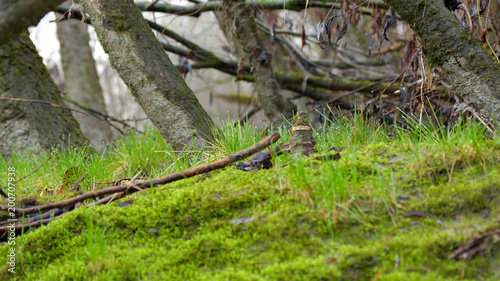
<point x="306" y="219"/>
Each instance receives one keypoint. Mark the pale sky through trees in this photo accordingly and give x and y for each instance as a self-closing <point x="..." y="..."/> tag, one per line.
<point x="203" y="30"/>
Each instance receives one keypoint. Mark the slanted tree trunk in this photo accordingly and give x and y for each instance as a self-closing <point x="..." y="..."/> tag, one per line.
<point x="16" y="16"/>
<point x="470" y="70"/>
<point x="81" y="82"/>
<point x="27" y="126"/>
<point x="241" y="15"/>
<point x="144" y="66"/>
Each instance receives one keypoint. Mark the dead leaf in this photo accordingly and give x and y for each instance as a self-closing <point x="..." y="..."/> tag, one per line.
<point x="70" y="178"/>
<point x="389" y="21"/>
<point x="342" y="31"/>
<point x="47" y="189"/>
<point x="331" y="260"/>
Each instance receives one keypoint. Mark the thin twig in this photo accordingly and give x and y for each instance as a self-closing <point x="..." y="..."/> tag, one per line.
<point x="151" y="5"/>
<point x="353" y="91"/>
<point x="43" y="102"/>
<point x="1" y="189"/>
<point x="101" y="115"/>
<point x="247" y="116"/>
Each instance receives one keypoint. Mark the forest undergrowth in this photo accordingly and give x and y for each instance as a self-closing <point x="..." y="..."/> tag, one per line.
<point x="414" y="203"/>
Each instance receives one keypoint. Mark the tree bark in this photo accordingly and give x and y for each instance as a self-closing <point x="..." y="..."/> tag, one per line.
<point x="81" y="82"/>
<point x="27" y="126"/>
<point x="240" y="14"/>
<point x="144" y="66"/>
<point x="470" y="70"/>
<point x="16" y="16"/>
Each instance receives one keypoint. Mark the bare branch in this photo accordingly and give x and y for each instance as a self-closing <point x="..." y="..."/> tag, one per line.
<point x="291" y="5"/>
<point x="43" y="102"/>
<point x="334" y="84"/>
<point x="102" y="116"/>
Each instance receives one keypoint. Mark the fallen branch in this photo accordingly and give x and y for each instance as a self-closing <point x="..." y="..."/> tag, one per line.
<point x="230" y="159"/>
<point x="20" y="227"/>
<point x="109" y="199"/>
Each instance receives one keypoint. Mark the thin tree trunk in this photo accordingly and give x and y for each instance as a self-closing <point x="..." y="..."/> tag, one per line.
<point x="470" y="70"/>
<point x="28" y="126"/>
<point x="16" y="16"/>
<point x="241" y="15"/>
<point x="144" y="66"/>
<point x="81" y="82"/>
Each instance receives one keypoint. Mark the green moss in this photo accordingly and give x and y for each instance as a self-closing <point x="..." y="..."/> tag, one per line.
<point x="433" y="60"/>
<point x="310" y="220"/>
<point x="470" y="194"/>
<point x="187" y="228"/>
<point x="120" y="27"/>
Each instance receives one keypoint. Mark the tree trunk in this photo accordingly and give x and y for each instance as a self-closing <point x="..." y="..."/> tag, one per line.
<point x="28" y="126"/>
<point x="81" y="82"/>
<point x="144" y="66"/>
<point x="274" y="105"/>
<point x="16" y="16"/>
<point x="470" y="70"/>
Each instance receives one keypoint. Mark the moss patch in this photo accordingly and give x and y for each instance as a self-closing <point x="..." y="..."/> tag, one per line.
<point x="306" y="220"/>
<point x="190" y="231"/>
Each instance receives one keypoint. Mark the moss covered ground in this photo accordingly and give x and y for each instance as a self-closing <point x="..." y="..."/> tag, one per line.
<point x="305" y="219"/>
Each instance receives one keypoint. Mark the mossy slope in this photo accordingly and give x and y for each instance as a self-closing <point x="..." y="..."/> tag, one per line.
<point x="298" y="222"/>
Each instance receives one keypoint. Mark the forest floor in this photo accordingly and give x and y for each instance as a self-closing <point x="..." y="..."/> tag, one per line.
<point x="417" y="204"/>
